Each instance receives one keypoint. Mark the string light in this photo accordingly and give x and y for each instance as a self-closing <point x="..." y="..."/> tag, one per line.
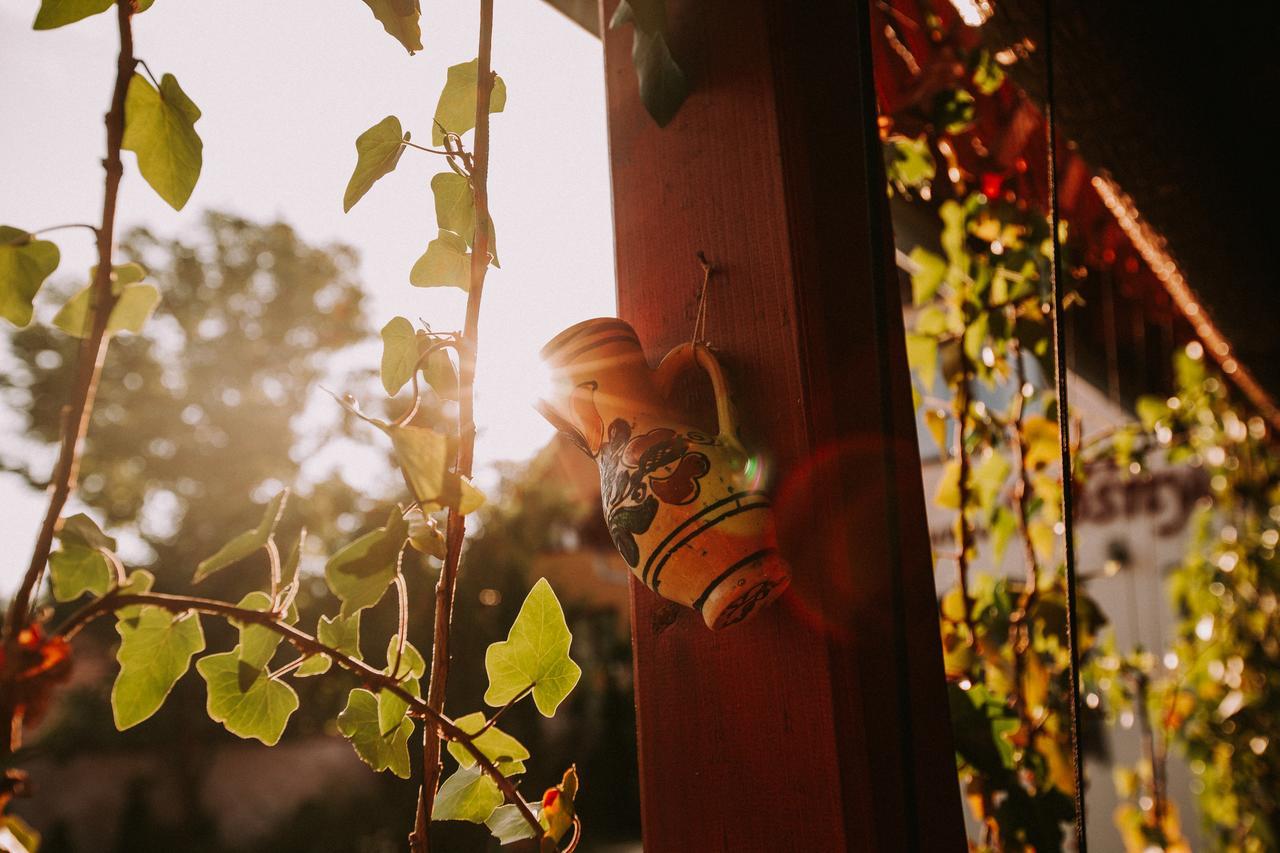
<point x="1151" y="246"/>
<point x="974" y="13"/>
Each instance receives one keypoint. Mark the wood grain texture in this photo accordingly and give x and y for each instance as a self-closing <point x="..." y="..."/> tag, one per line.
<point x="821" y="725"/>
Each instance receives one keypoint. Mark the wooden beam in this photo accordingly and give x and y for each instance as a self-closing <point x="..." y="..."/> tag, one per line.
<point x="821" y="725"/>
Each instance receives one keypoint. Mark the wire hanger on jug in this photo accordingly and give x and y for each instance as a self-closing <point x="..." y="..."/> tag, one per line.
<point x="700" y="317"/>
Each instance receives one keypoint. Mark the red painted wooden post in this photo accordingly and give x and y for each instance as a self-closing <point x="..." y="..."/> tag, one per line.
<point x="822" y="724"/>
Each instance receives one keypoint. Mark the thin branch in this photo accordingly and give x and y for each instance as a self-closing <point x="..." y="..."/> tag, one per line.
<point x="455" y="529"/>
<point x="89" y="361"/>
<point x="374" y="679"/>
<point x="273" y="557"/>
<point x="63" y="227"/>
<point x="498" y="713"/>
<point x="402" y="625"/>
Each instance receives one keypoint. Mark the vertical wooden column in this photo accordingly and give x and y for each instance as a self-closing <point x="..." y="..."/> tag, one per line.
<point x="821" y="725"/>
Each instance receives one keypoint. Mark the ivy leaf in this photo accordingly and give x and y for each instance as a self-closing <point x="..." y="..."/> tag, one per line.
<point x="258" y="643"/>
<point x="160" y="130"/>
<point x="424" y="458"/>
<point x="400" y="18"/>
<point x="246" y="543"/>
<point x="155" y="651"/>
<point x="930" y="270"/>
<point x="59" y="13"/>
<point x="135" y="303"/>
<point x="456" y="109"/>
<point x="399" y="354"/>
<point x="663" y="87"/>
<point x="508" y="825"/>
<point x="341" y="633"/>
<point x="378" y="152"/>
<point x="535" y="652"/>
<point x="20" y="833"/>
<point x="425" y="534"/>
<point x="361" y="571"/>
<point x="440" y="372"/>
<point x="247" y="702"/>
<point x="499" y="747"/>
<point x="392" y="708"/>
<point x="24" y="265"/>
<point x="81" y="564"/>
<point x="467" y="795"/>
<point x="445" y="263"/>
<point x="289" y="569"/>
<point x="75" y="570"/>
<point x="358" y="722"/>
<point x="456" y="210"/>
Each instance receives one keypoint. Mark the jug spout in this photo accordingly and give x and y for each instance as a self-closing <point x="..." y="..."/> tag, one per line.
<point x="598" y="374"/>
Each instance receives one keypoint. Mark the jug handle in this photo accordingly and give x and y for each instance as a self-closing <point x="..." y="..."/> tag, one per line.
<point x="687" y="355"/>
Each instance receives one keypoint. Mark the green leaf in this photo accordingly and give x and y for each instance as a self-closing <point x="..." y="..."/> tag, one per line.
<point x="445" y="263"/>
<point x="360" y="572"/>
<point x="467" y="795"/>
<point x="289" y="570"/>
<point x="499" y="747"/>
<point x="507" y="823"/>
<point x="922" y="355"/>
<point x="247" y="702"/>
<point x="535" y="652"/>
<point x="456" y="109"/>
<point x="59" y="13"/>
<point x="155" y="651"/>
<point x="988" y="478"/>
<point x="456" y="210"/>
<point x="82" y="563"/>
<point x="24" y="265"/>
<point x="160" y="129"/>
<point x="399" y="354"/>
<point x="424" y="458"/>
<point x="392" y="708"/>
<point x="908" y="161"/>
<point x="134" y="305"/>
<point x="258" y="643"/>
<point x="455" y="204"/>
<point x="358" y="722"/>
<point x="21" y="832"/>
<point x="341" y="633"/>
<point x="378" y="152"/>
<point x="930" y="270"/>
<point x="440" y="372"/>
<point x="425" y="534"/>
<point x="246" y="543"/>
<point x="400" y="18"/>
<point x="663" y="87"/>
<point x="75" y="570"/>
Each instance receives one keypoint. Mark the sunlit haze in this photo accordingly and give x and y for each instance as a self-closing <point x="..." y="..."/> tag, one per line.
<point x="283" y="100"/>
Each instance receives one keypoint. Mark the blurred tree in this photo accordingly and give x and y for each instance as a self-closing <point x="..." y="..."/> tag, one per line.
<point x="198" y="413"/>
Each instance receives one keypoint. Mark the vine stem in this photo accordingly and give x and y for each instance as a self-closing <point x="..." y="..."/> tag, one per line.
<point x="76" y="414"/>
<point x="456" y="525"/>
<point x="438" y="724"/>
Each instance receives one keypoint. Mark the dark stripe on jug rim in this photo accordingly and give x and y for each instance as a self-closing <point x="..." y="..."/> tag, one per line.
<point x="723" y="576"/>
<point x="560" y="341"/>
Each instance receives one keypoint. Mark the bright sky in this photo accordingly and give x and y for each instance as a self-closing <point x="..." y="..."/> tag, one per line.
<point x="285" y="87"/>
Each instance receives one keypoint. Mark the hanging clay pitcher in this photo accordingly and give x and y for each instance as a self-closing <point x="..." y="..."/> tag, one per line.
<point x="680" y="504"/>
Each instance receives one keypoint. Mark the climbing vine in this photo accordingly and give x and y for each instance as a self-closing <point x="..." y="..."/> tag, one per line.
<point x="433" y="439"/>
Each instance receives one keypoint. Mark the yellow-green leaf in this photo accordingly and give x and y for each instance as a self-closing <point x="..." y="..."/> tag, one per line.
<point x="929" y="272"/>
<point x="340" y="633"/>
<point x="160" y="130"/>
<point x="135" y="303"/>
<point x="81" y="564"/>
<point x="155" y="651"/>
<point x="399" y="354"/>
<point x="360" y="572"/>
<point x="445" y="263"/>
<point x="392" y="708"/>
<point x="456" y="210"/>
<point x="467" y="795"/>
<point x="246" y="543"/>
<point x="508" y="825"/>
<point x="358" y="722"/>
<point x="456" y="109"/>
<point x="24" y="265"/>
<point x="247" y="701"/>
<point x="59" y="13"/>
<point x="378" y="152"/>
<point x="400" y="18"/>
<point x="424" y="458"/>
<point x="499" y="747"/>
<point x="536" y="652"/>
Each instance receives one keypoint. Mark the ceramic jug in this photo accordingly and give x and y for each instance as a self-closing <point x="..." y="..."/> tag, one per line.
<point x="680" y="505"/>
